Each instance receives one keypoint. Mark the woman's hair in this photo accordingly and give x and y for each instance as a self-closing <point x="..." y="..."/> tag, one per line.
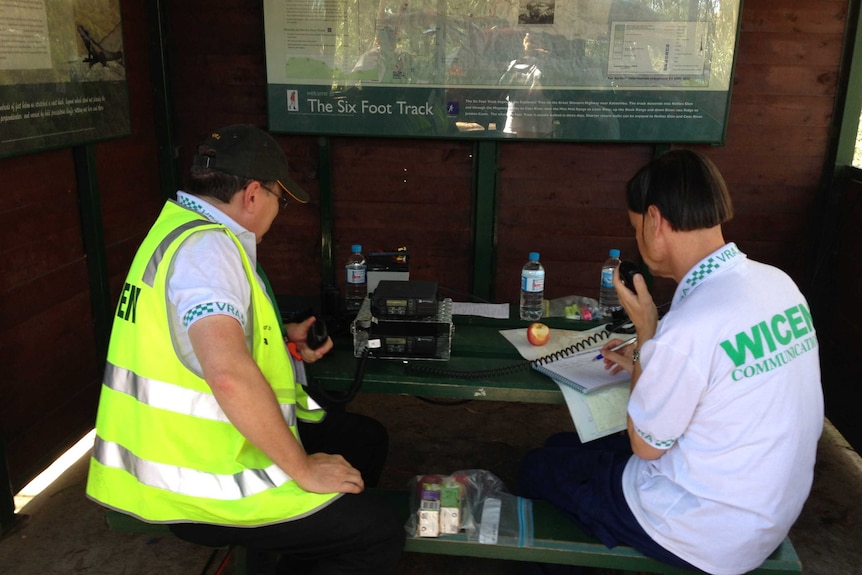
<point x="687" y="189"/>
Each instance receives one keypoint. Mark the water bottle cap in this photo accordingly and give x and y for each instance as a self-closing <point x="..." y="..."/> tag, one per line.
<point x="615" y="253"/>
<point x="356" y="248"/>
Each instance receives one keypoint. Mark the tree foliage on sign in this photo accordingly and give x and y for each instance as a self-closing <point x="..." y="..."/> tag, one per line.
<point x="472" y="42"/>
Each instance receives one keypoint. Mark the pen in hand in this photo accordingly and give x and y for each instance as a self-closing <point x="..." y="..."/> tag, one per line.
<point x="618" y="347"/>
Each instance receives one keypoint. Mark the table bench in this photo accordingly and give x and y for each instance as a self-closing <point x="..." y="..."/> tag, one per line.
<point x="477" y="346"/>
<point x="556" y="540"/>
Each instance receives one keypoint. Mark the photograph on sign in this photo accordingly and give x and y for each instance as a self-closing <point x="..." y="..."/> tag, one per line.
<point x="62" y="74"/>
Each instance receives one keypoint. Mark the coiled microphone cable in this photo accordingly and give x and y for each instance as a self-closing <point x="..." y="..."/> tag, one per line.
<point x="426" y="369"/>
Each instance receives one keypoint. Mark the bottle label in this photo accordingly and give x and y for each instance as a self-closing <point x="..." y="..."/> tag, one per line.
<point x="607" y="278"/>
<point x="356" y="275"/>
<point x="533" y="284"/>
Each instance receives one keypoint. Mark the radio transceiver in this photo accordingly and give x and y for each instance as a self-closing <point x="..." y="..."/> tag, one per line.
<point x="404" y="320"/>
<point x="404" y="299"/>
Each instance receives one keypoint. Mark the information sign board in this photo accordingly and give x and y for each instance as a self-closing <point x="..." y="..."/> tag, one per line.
<point x="62" y="74"/>
<point x="577" y="70"/>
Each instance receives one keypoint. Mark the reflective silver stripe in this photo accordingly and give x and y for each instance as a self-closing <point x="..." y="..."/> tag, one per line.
<point x="175" y="398"/>
<point x="149" y="276"/>
<point x="187" y="481"/>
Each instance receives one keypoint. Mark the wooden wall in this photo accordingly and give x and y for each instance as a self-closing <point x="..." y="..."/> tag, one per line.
<point x="51" y="371"/>
<point x="47" y="341"/>
<point x="564" y="200"/>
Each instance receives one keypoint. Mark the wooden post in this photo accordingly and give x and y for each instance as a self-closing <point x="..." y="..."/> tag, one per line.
<point x="7" y="495"/>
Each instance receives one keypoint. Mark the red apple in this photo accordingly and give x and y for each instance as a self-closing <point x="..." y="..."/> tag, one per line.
<point x="538" y="333"/>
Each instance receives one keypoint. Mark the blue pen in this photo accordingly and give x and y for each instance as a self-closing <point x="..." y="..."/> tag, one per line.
<point x="618" y="347"/>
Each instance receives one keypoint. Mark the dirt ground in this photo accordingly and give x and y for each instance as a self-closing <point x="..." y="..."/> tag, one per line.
<point x="431" y="436"/>
<point x="65" y="533"/>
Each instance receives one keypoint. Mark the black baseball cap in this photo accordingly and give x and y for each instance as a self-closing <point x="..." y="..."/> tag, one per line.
<point x="248" y="152"/>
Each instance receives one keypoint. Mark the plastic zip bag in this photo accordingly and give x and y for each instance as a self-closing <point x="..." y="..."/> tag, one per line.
<point x="573" y="307"/>
<point x="473" y="501"/>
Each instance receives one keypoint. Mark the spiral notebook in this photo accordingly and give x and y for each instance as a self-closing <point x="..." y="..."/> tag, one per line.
<point x="582" y="372"/>
<point x="596" y="414"/>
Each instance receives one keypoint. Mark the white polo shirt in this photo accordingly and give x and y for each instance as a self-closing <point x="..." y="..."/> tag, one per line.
<point x="731" y="390"/>
<point x="207" y="278"/>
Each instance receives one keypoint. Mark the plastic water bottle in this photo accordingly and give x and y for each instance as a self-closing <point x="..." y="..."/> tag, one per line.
<point x="357" y="279"/>
<point x="532" y="289"/>
<point x="609" y="301"/>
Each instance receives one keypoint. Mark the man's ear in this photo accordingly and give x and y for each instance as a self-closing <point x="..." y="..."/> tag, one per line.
<point x="251" y="196"/>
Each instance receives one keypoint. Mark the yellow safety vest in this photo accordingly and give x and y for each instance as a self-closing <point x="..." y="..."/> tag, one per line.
<point x="164" y="450"/>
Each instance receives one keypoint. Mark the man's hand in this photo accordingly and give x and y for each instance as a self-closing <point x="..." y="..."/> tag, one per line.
<point x="251" y="406"/>
<point x="298" y="334"/>
<point x="325" y="473"/>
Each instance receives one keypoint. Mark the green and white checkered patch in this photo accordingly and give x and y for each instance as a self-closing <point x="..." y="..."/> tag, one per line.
<point x="212" y="308"/>
<point x="704" y="270"/>
<point x="187" y="202"/>
<point x="191" y="203"/>
<point x="198" y="311"/>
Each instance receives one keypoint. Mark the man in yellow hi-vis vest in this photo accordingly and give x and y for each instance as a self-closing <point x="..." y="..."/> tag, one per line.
<point x="202" y="424"/>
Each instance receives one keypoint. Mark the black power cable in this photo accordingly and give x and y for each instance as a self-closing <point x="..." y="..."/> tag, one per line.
<point x="343" y="398"/>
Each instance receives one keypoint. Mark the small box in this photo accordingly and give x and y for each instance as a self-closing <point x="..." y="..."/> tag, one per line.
<point x="450" y="520"/>
<point x="386" y="266"/>
<point x="429" y="523"/>
<point x="450" y="495"/>
<point x="429" y="511"/>
<point x="450" y="508"/>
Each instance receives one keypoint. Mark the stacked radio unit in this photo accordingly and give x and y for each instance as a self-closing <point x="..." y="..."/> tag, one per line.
<point x="404" y="320"/>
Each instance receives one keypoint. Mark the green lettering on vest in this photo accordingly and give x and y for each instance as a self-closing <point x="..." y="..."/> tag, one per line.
<point x="121" y="306"/>
<point x="128" y="302"/>
<point x="133" y="304"/>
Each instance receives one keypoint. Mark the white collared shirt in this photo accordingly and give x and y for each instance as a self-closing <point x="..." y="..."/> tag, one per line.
<point x="730" y="389"/>
<point x="207" y="278"/>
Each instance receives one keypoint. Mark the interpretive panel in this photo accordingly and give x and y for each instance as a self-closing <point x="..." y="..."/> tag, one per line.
<point x="577" y="70"/>
<point x="62" y="74"/>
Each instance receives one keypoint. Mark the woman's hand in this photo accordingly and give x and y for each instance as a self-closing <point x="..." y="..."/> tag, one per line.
<point x="639" y="307"/>
<point x="620" y="360"/>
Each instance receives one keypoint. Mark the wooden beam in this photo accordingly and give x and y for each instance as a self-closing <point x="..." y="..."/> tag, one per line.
<point x="484" y="218"/>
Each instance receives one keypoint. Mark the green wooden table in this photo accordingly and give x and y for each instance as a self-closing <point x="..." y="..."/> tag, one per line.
<point x="477" y="345"/>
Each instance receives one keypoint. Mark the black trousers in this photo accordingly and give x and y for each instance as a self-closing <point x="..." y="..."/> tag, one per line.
<point x="356" y="534"/>
<point x="362" y="441"/>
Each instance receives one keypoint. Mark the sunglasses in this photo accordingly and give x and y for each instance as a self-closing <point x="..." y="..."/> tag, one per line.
<point x="283" y="198"/>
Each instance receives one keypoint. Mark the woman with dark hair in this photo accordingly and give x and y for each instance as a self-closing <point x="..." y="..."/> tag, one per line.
<point x="726" y="406"/>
